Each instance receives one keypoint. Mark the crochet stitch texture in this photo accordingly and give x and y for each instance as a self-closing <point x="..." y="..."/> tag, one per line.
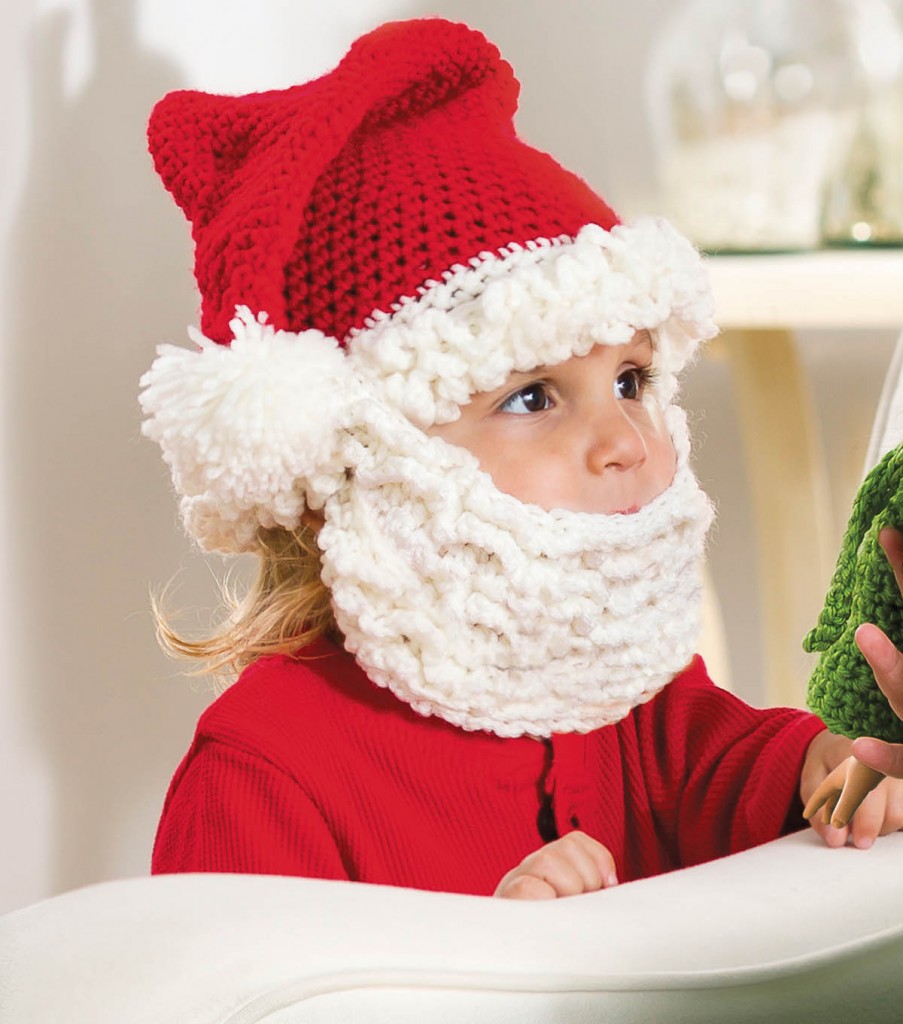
<point x="372" y="248"/>
<point x="253" y="432"/>
<point x="389" y="210"/>
<point x="499" y="615"/>
<point x="321" y="203"/>
<point x="842" y="688"/>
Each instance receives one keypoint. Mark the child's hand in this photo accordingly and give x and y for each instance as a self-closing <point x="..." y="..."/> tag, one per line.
<point x="826" y="770"/>
<point x="568" y="866"/>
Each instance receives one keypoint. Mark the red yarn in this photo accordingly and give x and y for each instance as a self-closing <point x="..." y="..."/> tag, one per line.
<point x="323" y="203"/>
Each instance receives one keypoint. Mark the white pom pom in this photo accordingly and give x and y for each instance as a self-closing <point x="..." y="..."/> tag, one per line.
<point x="246" y="428"/>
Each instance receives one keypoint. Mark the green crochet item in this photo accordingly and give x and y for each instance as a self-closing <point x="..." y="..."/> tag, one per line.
<point x="842" y="689"/>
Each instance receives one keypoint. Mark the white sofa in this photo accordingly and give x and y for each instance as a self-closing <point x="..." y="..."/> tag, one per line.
<point x="790" y="931"/>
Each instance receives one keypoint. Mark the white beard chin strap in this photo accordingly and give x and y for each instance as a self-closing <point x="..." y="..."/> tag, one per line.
<point x="493" y="614"/>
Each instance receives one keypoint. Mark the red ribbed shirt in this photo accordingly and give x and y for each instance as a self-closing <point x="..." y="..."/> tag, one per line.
<point x="305" y="767"/>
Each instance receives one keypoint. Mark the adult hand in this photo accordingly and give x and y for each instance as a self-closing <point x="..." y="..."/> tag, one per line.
<point x="886" y="662"/>
<point x="571" y="865"/>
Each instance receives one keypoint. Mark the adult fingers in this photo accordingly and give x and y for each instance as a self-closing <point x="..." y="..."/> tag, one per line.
<point x="891" y="541"/>
<point x="886" y="758"/>
<point x="885" y="661"/>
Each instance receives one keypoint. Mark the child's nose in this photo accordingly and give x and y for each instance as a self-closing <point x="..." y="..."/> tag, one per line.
<point x="615" y="442"/>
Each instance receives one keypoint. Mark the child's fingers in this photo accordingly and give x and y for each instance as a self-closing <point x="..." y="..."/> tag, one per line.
<point x="516" y="886"/>
<point x="868" y="805"/>
<point x="562" y="871"/>
<point x="866" y="824"/>
<point x="893" y="812"/>
<point x="841" y="792"/>
<point x="568" y="865"/>
<point x="831" y="836"/>
<point x="574" y="864"/>
<point x="880" y="814"/>
<point x="859" y="784"/>
<point x="820" y="807"/>
<point x="548" y="865"/>
<point x="590" y="859"/>
<point x="825" y="795"/>
<point x="827" y="812"/>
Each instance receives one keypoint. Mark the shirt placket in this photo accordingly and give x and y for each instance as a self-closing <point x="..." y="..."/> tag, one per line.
<point x="567" y="781"/>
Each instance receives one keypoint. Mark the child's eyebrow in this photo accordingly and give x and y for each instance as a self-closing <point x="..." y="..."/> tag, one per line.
<point x="643" y="339"/>
<point x="518" y="376"/>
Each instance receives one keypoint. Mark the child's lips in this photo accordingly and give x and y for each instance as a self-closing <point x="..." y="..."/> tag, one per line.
<point x="627" y="511"/>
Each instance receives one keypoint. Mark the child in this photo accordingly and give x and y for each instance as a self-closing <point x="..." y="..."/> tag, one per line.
<point x="435" y="392"/>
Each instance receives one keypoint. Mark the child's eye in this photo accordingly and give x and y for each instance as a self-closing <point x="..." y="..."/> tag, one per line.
<point x="532" y="398"/>
<point x="633" y="382"/>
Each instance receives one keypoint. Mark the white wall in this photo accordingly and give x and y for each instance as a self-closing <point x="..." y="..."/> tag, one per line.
<point x="95" y="270"/>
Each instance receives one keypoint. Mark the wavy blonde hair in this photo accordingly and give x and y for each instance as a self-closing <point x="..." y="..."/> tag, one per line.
<point x="286" y="607"/>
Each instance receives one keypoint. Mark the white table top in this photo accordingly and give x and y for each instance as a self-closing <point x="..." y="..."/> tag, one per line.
<point x="840" y="288"/>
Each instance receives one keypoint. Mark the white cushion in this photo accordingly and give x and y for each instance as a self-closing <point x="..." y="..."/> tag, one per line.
<point x="791" y="931"/>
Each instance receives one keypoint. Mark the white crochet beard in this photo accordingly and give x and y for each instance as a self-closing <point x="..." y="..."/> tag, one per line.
<point x="465" y="602"/>
<point x="497" y="615"/>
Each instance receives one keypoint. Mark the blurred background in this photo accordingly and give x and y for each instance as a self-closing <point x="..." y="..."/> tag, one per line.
<point x="95" y="270"/>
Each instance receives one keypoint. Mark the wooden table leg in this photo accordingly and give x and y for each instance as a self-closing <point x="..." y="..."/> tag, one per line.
<point x="791" y="500"/>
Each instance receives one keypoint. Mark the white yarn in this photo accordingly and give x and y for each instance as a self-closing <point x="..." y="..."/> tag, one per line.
<point x="250" y="431"/>
<point x="494" y="614"/>
<point x="535" y="305"/>
<point x="465" y="602"/>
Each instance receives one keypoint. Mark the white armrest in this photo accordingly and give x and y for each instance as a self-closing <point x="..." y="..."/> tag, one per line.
<point x="791" y="931"/>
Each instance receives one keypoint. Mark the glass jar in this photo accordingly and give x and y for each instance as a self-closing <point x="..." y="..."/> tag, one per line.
<point x="772" y="121"/>
<point x="864" y="196"/>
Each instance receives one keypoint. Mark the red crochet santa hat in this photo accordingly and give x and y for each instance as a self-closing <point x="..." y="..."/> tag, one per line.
<point x="387" y="209"/>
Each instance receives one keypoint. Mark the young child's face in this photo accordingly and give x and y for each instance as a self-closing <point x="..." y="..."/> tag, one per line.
<point x="581" y="435"/>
